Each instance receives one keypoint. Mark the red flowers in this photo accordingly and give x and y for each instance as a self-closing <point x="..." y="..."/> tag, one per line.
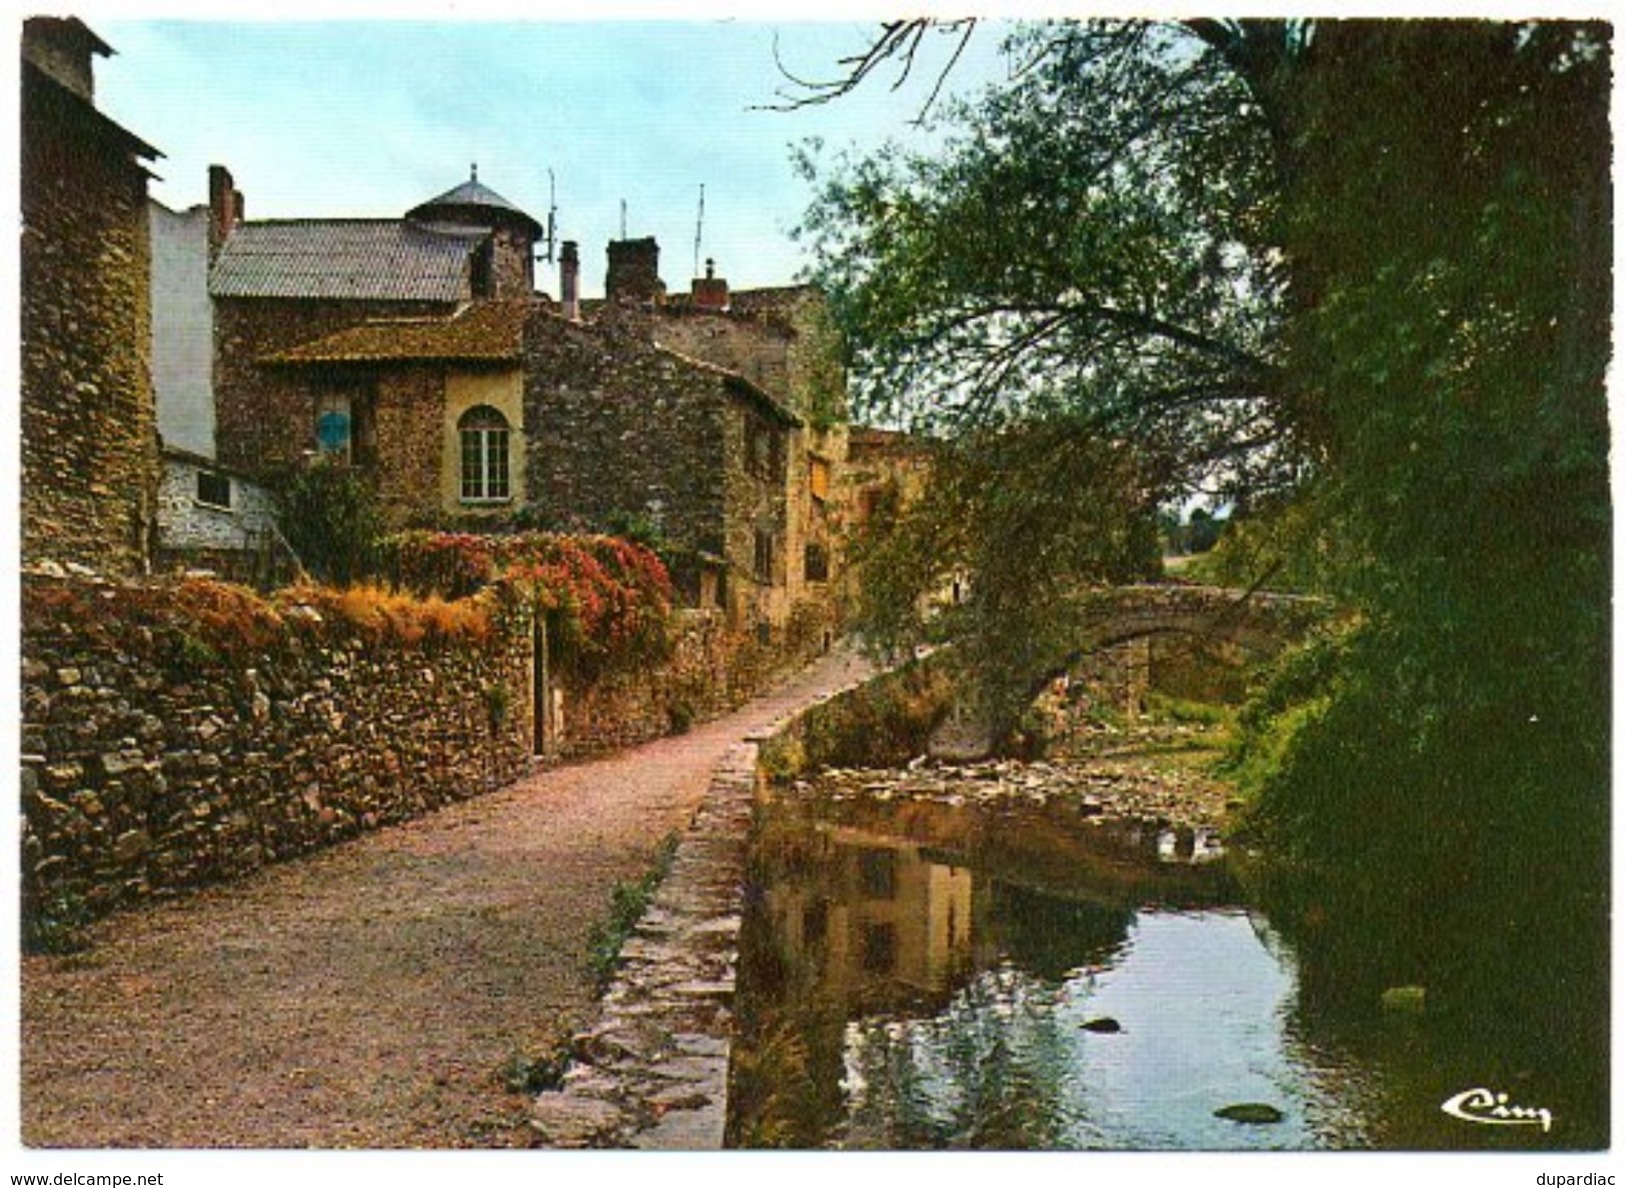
<point x="608" y="600"/>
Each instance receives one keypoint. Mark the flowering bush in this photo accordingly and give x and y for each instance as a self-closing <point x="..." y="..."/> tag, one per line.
<point x="608" y="600"/>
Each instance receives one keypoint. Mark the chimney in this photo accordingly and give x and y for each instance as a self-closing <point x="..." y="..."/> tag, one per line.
<point x="570" y="280"/>
<point x="634" y="271"/>
<point x="65" y="49"/>
<point x="225" y="206"/>
<point x="711" y="291"/>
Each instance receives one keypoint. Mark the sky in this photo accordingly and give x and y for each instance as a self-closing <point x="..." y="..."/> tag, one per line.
<point x="368" y="118"/>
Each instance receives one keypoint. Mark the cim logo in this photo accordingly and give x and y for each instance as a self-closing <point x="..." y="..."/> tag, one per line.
<point x="1489" y="1108"/>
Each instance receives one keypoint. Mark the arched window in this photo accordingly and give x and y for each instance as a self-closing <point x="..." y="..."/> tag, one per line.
<point x="484" y="435"/>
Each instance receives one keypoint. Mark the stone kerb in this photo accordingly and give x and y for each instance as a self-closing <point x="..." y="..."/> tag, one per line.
<point x="651" y="1072"/>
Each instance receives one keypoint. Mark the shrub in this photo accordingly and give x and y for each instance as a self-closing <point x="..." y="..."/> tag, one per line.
<point x="379" y="614"/>
<point x="608" y="600"/>
<point x="329" y="514"/>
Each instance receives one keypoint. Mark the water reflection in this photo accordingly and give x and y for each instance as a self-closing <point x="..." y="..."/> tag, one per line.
<point x="981" y="980"/>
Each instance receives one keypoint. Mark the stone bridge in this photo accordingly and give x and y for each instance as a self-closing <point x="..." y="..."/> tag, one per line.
<point x="1192" y="641"/>
<point x="1215" y="618"/>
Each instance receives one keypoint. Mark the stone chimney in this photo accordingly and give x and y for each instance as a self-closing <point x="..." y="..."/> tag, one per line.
<point x="225" y="207"/>
<point x="570" y="280"/>
<point x="634" y="271"/>
<point x="711" y="290"/>
<point x="65" y="49"/>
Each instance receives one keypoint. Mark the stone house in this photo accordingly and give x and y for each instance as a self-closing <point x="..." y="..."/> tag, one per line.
<point x="509" y="412"/>
<point x="278" y="284"/>
<point x="90" y="460"/>
<point x="784" y="341"/>
<point x="415" y="348"/>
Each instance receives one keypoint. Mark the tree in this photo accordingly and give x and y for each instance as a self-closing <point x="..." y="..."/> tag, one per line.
<point x="1017" y="519"/>
<point x="1451" y="220"/>
<point x="1078" y="292"/>
<point x="1090" y="242"/>
<point x="1367" y="261"/>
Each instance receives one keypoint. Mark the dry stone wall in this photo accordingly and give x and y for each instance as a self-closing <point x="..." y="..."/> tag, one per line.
<point x="151" y="763"/>
<point x="712" y="669"/>
<point x="165" y="750"/>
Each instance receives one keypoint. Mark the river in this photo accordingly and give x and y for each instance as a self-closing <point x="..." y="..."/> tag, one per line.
<point x="936" y="959"/>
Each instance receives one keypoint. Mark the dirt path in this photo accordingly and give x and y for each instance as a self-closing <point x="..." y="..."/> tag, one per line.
<point x="368" y="996"/>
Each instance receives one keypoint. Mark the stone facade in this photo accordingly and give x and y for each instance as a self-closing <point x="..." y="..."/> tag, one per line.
<point x="713" y="668"/>
<point x="266" y="421"/>
<point x="784" y="341"/>
<point x="619" y="427"/>
<point x="205" y="511"/>
<point x="90" y="462"/>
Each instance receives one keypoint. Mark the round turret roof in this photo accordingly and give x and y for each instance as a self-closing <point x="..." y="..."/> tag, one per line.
<point x="473" y="203"/>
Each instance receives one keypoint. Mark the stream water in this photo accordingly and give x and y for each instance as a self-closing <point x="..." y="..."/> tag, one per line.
<point x="929" y="975"/>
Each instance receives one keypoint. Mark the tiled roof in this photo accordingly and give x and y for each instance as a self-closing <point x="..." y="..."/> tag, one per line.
<point x="487" y="331"/>
<point x="470" y="196"/>
<point x="376" y="259"/>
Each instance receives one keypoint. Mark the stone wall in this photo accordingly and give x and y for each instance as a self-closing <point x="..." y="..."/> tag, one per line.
<point x="409" y="411"/>
<point x="783" y="340"/>
<point x="757" y="350"/>
<point x="181" y="733"/>
<point x="89" y="437"/>
<point x="615" y="426"/>
<point x="265" y="419"/>
<point x="712" y="669"/>
<point x="189" y="524"/>
<point x="153" y="760"/>
<point x="886" y="722"/>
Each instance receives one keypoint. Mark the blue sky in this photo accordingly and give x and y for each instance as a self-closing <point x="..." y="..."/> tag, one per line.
<point x="368" y="118"/>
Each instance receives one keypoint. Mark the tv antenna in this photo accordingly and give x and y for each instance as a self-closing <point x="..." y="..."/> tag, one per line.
<point x="699" y="230"/>
<point x="551" y="234"/>
<point x="623" y="218"/>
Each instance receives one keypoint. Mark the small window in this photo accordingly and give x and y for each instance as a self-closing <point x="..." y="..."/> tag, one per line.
<point x="817" y="563"/>
<point x="879" y="948"/>
<point x="764" y="451"/>
<point x="213" y="489"/>
<point x="333" y="425"/>
<point x="483" y="433"/>
<point x="815" y="922"/>
<point x="877" y="873"/>
<point x="818" y="478"/>
<point x="764" y="556"/>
